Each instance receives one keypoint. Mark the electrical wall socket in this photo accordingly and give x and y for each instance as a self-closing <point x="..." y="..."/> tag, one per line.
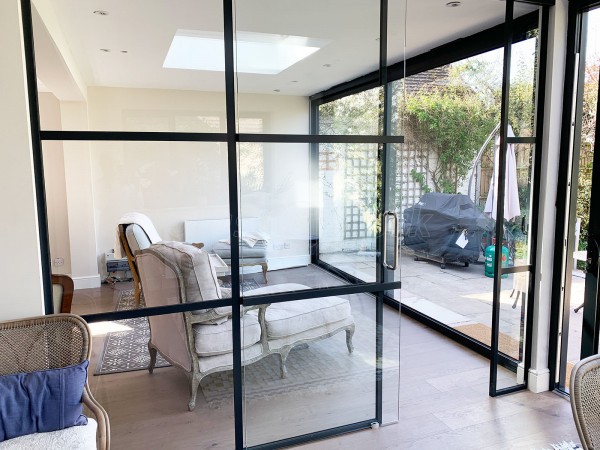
<point x="286" y="245"/>
<point x="278" y="246"/>
<point x="58" y="262"/>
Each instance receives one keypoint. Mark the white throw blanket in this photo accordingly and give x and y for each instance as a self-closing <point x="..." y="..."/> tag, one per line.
<point x="251" y="239"/>
<point x="143" y="221"/>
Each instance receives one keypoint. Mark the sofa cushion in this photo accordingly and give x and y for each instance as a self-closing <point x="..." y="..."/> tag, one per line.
<point x="259" y="251"/>
<point x="289" y="318"/>
<point x="80" y="438"/>
<point x="42" y="401"/>
<point x="216" y="339"/>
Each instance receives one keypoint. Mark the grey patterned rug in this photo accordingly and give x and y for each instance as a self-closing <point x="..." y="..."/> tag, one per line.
<point x="126" y="351"/>
<point x="318" y="367"/>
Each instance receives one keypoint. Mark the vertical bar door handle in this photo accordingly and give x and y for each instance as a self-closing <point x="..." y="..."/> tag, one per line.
<point x="394" y="264"/>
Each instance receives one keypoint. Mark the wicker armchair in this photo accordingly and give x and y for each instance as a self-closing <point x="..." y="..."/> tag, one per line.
<point x="49" y="342"/>
<point x="585" y="401"/>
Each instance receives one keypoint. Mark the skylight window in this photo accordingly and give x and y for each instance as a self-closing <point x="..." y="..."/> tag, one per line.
<point x="255" y="52"/>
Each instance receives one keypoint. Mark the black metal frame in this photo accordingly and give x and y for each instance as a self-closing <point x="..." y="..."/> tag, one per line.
<point x="566" y="203"/>
<point x="231" y="138"/>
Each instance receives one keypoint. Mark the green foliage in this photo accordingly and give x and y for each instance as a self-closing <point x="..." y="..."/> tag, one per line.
<point x="453" y="121"/>
<point x="421" y="179"/>
<point x="586" y="151"/>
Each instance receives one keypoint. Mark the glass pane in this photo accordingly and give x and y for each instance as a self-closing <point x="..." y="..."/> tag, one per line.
<point x="351" y="115"/>
<point x="149" y="410"/>
<point x="324" y="385"/>
<point x="513" y="320"/>
<point x="579" y="222"/>
<point x="93" y="187"/>
<point x="297" y="50"/>
<point x="165" y="74"/>
<point x="348" y="216"/>
<point x="523" y="73"/>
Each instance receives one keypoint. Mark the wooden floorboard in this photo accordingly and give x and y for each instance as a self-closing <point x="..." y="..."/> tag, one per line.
<point x="443" y="403"/>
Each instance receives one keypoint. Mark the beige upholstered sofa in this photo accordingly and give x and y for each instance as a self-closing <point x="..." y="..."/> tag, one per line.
<point x="200" y="342"/>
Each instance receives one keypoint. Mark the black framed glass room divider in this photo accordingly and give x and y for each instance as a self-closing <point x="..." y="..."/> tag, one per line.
<point x="209" y="138"/>
<point x="502" y="97"/>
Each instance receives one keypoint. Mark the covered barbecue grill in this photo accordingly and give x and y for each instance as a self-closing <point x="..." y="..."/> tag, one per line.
<point x="445" y="228"/>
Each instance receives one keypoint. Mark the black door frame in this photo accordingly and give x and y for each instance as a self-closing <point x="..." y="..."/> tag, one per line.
<point x="566" y="204"/>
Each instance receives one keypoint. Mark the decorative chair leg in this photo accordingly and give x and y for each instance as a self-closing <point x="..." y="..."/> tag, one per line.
<point x="283" y="357"/>
<point x="194" y="391"/>
<point x="349" y="334"/>
<point x="152" y="364"/>
<point x="265" y="267"/>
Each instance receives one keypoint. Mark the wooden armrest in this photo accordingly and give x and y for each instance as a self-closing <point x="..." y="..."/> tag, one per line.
<point x="103" y="434"/>
<point x="198" y="244"/>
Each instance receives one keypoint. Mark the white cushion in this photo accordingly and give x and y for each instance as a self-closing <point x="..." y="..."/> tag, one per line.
<point x="136" y="238"/>
<point x="76" y="438"/>
<point x="289" y="318"/>
<point x="259" y="251"/>
<point x="216" y="339"/>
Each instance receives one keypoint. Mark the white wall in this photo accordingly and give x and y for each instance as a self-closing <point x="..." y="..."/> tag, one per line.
<point x="56" y="191"/>
<point x="539" y="376"/>
<point x="20" y="267"/>
<point x="175" y="181"/>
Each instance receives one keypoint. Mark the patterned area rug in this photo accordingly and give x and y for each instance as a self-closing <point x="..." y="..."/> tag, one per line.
<point x="321" y="367"/>
<point x="126" y="351"/>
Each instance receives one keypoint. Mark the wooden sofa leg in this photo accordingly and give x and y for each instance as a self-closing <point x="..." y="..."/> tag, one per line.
<point x="152" y="364"/>
<point x="349" y="334"/>
<point x="194" y="391"/>
<point x="137" y="293"/>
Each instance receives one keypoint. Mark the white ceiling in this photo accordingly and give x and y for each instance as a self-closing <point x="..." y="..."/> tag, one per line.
<point x="145" y="29"/>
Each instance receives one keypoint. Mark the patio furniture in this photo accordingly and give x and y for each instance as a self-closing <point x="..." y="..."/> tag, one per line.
<point x="52" y="342"/>
<point x="445" y="228"/>
<point x="585" y="401"/>
<point x="200" y="342"/>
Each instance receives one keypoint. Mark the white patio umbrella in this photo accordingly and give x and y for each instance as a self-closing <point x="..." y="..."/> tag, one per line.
<point x="511" y="195"/>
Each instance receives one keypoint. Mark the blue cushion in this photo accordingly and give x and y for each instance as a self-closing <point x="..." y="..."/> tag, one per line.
<point x="43" y="401"/>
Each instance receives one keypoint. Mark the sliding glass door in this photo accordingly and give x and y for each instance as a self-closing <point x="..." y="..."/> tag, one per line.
<point x="578" y="329"/>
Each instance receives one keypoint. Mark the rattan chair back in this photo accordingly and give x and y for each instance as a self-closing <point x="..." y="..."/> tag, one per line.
<point x="585" y="400"/>
<point x="51" y="342"/>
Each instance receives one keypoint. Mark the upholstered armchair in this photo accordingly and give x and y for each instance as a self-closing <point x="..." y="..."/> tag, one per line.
<point x="136" y="232"/>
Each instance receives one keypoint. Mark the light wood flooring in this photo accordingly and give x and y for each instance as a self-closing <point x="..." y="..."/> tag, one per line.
<point x="443" y="402"/>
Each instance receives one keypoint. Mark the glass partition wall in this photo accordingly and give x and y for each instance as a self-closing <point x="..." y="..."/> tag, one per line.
<point x="214" y="322"/>
<point x="467" y="123"/>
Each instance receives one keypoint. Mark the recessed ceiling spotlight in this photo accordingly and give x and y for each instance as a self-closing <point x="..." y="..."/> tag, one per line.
<point x="326" y="65"/>
<point x="105" y="50"/>
<point x="294" y="81"/>
<point x="124" y="51"/>
<point x="452" y="4"/>
<point x="276" y="90"/>
<point x="100" y="12"/>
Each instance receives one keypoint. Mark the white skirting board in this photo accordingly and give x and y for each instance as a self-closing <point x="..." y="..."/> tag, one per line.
<point x="92" y="281"/>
